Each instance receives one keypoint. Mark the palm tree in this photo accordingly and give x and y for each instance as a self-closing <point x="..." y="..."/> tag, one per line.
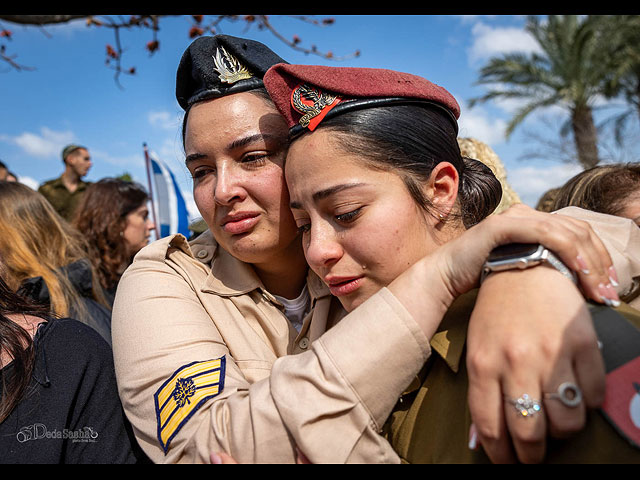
<point x="568" y="73"/>
<point x="620" y="36"/>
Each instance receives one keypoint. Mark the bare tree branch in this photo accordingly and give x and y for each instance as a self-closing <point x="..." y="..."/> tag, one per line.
<point x="118" y="23"/>
<point x="40" y="19"/>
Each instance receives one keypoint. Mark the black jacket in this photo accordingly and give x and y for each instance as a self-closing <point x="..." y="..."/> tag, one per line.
<point x="71" y="412"/>
<point x="79" y="274"/>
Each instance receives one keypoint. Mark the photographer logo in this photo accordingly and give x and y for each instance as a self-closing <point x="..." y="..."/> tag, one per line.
<point x="38" y="431"/>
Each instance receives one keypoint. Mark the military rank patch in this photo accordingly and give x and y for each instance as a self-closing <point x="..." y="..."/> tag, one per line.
<point x="184" y="393"/>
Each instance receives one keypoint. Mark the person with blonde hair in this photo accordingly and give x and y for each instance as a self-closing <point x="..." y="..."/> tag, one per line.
<point x="45" y="259"/>
<point x="612" y="189"/>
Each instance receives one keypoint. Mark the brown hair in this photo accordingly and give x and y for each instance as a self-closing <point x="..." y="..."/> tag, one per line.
<point x="36" y="242"/>
<point x="101" y="217"/>
<point x="603" y="189"/>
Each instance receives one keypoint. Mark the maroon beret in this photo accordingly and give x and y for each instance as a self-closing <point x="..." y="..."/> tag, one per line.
<point x="305" y="94"/>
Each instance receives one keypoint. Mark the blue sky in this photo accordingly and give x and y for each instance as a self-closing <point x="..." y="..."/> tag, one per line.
<point x="71" y="96"/>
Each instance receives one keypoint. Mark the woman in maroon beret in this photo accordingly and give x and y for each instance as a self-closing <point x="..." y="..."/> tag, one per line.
<point x="385" y="202"/>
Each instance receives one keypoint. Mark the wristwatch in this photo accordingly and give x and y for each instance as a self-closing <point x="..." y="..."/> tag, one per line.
<point x="523" y="255"/>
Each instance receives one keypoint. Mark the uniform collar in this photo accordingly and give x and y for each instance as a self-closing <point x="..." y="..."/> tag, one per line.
<point x="451" y="336"/>
<point x="58" y="183"/>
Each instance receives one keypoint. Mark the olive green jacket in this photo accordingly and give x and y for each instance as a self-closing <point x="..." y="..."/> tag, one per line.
<point x="431" y="421"/>
<point x="62" y="200"/>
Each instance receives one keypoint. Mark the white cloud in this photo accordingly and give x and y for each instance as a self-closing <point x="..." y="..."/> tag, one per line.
<point x="135" y="160"/>
<point x="47" y="143"/>
<point x="29" y="182"/>
<point x="531" y="182"/>
<point x="492" y="41"/>
<point x="477" y="123"/>
<point x="466" y="19"/>
<point x="164" y="120"/>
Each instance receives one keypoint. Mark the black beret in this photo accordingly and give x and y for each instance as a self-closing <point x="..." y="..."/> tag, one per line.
<point x="221" y="65"/>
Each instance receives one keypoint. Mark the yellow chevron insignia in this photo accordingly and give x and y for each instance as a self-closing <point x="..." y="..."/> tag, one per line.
<point x="185" y="392"/>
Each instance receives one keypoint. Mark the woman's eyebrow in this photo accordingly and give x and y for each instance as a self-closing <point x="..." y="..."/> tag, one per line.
<point x="321" y="194"/>
<point x="241" y="142"/>
<point x="193" y="157"/>
<point x="258" y="137"/>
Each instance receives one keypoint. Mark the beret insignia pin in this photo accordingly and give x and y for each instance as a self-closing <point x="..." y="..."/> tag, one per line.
<point x="313" y="104"/>
<point x="229" y="69"/>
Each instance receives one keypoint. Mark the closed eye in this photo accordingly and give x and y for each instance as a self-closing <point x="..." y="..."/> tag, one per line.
<point x="255" y="159"/>
<point x="349" y="216"/>
<point x="304" y="228"/>
<point x="201" y="172"/>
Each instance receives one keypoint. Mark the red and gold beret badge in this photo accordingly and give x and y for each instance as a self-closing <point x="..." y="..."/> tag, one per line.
<point x="313" y="104"/>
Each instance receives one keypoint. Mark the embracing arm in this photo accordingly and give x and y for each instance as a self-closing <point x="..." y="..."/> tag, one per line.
<point x="542" y="333"/>
<point x="621" y="238"/>
<point x="160" y="326"/>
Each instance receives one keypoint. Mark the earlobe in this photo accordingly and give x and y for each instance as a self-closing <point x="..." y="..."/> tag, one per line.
<point x="443" y="188"/>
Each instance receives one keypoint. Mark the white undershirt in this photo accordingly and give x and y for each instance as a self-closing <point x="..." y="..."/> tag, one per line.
<point x="296" y="309"/>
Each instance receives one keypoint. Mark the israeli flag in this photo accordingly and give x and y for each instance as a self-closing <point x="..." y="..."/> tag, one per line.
<point x="168" y="202"/>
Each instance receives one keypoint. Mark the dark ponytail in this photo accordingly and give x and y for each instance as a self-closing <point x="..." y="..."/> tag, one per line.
<point x="479" y="192"/>
<point x="411" y="140"/>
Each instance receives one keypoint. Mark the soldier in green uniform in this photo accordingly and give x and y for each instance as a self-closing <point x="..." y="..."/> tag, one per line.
<point x="363" y="141"/>
<point x="422" y="415"/>
<point x="65" y="192"/>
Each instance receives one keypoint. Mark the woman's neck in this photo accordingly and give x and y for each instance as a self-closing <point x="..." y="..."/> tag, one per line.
<point x="285" y="275"/>
<point x="29" y="323"/>
<point x="70" y="179"/>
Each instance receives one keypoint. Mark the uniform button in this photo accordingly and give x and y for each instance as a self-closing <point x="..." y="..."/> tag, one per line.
<point x="201" y="254"/>
<point x="304" y="343"/>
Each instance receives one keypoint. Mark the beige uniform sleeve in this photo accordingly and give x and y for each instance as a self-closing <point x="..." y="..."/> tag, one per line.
<point x="621" y="237"/>
<point x="330" y="401"/>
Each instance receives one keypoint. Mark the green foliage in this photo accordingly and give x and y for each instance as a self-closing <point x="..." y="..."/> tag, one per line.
<point x="581" y="58"/>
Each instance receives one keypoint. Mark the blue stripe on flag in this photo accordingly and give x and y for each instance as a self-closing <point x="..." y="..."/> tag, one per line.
<point x="171" y="210"/>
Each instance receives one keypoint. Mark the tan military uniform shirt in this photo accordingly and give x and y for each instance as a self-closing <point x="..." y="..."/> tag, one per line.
<point x="204" y="358"/>
<point x="204" y="362"/>
<point x="63" y="201"/>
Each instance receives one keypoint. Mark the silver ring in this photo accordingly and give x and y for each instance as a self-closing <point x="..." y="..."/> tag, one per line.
<point x="568" y="393"/>
<point x="526" y="406"/>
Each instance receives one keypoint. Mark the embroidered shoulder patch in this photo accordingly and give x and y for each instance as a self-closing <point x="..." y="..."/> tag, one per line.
<point x="184" y="393"/>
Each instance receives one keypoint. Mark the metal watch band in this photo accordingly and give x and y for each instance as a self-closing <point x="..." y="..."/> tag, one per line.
<point x="556" y="263"/>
